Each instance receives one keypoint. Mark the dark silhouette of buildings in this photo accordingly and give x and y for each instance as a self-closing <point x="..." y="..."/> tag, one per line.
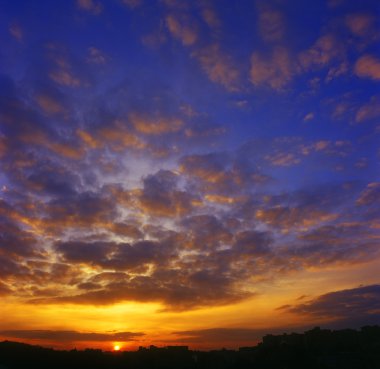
<point x="314" y="349"/>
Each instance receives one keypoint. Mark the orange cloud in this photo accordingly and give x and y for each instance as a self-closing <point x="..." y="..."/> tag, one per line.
<point x="181" y="29"/>
<point x="360" y="24"/>
<point x="368" y="66"/>
<point x="152" y="126"/>
<point x="369" y="111"/>
<point x="210" y="17"/>
<point x="288" y="218"/>
<point x="219" y="67"/>
<point x="65" y="78"/>
<point x="276" y="71"/>
<point x="60" y="148"/>
<point x="271" y="24"/>
<point x="88" y="139"/>
<point x="326" y="49"/>
<point x="370" y="195"/>
<point x="283" y="159"/>
<point x="49" y="105"/>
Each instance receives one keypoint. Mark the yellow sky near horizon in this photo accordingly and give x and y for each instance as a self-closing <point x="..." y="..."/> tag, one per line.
<point x="159" y="325"/>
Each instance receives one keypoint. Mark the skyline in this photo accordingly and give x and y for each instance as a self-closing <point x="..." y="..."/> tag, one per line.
<point x="187" y="172"/>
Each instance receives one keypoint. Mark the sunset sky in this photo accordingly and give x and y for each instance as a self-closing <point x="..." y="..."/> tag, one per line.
<point x="197" y="172"/>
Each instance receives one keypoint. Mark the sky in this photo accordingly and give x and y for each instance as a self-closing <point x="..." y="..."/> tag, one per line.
<point x="193" y="172"/>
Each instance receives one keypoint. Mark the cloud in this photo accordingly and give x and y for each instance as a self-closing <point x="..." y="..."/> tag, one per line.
<point x="219" y="66"/>
<point x="283" y="159"/>
<point x="353" y="307"/>
<point x="16" y="31"/>
<point x="290" y="217"/>
<point x="116" y="256"/>
<point x="275" y="71"/>
<point x="116" y="135"/>
<point x="10" y="268"/>
<point x="17" y="242"/>
<point x="153" y="125"/>
<point x="182" y="28"/>
<point x="4" y="289"/>
<point x="271" y="23"/>
<point x="205" y="232"/>
<point x="361" y="24"/>
<point x="209" y="167"/>
<point x="327" y="49"/>
<point x="96" y="56"/>
<point x="64" y="77"/>
<point x="210" y="16"/>
<point x="308" y="117"/>
<point x="252" y="243"/>
<point x="369" y="111"/>
<point x="367" y="66"/>
<point x="70" y="336"/>
<point x="161" y="197"/>
<point x="92" y="6"/>
<point x="49" y="105"/>
<point x="370" y="195"/>
<point x="178" y="290"/>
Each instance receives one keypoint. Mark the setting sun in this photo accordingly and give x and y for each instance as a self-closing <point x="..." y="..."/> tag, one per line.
<point x="116" y="348"/>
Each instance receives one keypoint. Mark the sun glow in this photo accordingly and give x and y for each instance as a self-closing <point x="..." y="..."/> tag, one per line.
<point x="116" y="347"/>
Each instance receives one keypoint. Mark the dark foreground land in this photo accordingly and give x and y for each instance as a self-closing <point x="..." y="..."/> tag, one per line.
<point x="317" y="348"/>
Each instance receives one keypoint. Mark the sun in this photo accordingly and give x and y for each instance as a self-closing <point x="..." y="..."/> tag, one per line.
<point x="116" y="347"/>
